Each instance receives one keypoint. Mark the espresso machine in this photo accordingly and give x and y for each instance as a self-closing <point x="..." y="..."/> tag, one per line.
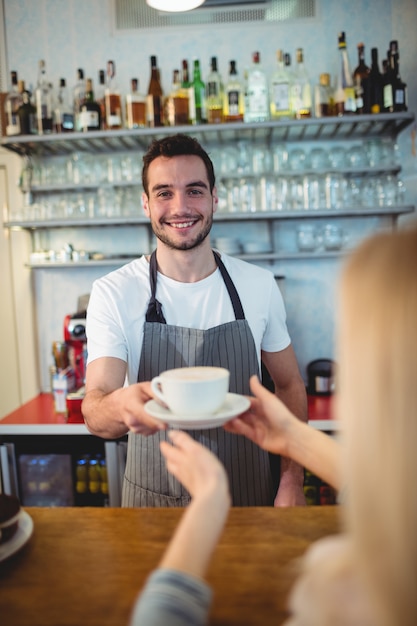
<point x="76" y="341"/>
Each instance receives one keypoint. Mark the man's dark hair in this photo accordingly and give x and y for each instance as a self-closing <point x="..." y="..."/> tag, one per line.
<point x="176" y="145"/>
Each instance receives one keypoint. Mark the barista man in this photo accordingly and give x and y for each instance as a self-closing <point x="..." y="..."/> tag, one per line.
<point x="185" y="305"/>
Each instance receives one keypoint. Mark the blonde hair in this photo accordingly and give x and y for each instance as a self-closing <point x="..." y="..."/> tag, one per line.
<point x="377" y="403"/>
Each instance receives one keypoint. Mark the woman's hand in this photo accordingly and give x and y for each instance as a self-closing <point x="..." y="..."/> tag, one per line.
<point x="198" y="469"/>
<point x="267" y="422"/>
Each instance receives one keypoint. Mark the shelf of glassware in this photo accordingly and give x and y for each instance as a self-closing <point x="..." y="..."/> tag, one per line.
<point x="353" y="212"/>
<point x="271" y="217"/>
<point x="313" y="129"/>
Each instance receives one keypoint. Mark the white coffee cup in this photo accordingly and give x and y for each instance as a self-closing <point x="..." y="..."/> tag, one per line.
<point x="192" y="391"/>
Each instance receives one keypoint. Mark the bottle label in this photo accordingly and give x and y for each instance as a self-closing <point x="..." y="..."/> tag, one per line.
<point x="281" y="96"/>
<point x="399" y="96"/>
<point x="257" y="95"/>
<point x="89" y="119"/>
<point x="13" y="126"/>
<point x="388" y="97"/>
<point x="233" y="102"/>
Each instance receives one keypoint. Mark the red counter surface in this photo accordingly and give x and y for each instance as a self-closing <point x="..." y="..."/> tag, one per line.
<point x="40" y="411"/>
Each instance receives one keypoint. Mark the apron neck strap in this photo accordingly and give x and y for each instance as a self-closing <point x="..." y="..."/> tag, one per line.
<point x="231" y="289"/>
<point x="154" y="311"/>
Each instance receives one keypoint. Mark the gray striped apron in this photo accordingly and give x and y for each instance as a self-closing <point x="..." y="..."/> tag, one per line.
<point x="231" y="345"/>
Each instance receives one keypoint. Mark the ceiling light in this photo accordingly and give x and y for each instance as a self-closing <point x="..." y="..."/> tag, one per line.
<point x="174" y="6"/>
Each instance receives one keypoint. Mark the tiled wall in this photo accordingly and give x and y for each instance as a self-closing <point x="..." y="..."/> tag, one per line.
<point x="81" y="33"/>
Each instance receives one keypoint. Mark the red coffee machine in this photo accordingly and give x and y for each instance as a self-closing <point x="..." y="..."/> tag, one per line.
<point x="75" y="338"/>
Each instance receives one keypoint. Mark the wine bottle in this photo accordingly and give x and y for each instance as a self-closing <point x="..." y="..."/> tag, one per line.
<point x="176" y="105"/>
<point x="135" y="106"/>
<point x="78" y="97"/>
<point x="26" y="112"/>
<point x="361" y="83"/>
<point x="345" y="91"/>
<point x="199" y="88"/>
<point x="301" y="102"/>
<point x="43" y="96"/>
<point x="100" y="94"/>
<point x="375" y="99"/>
<point x="280" y="90"/>
<point x="154" y="102"/>
<point x="63" y="115"/>
<point x="90" y="111"/>
<point x="257" y="101"/>
<point x="323" y="97"/>
<point x="112" y="99"/>
<point x="233" y="97"/>
<point x="11" y="106"/>
<point x="214" y="95"/>
<point x="395" y="90"/>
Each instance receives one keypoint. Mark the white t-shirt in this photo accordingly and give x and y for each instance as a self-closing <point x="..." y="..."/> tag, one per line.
<point x="118" y="304"/>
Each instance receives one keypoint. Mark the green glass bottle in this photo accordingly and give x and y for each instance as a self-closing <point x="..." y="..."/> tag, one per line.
<point x="198" y="116"/>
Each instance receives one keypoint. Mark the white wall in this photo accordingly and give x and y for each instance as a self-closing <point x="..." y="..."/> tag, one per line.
<point x="80" y="33"/>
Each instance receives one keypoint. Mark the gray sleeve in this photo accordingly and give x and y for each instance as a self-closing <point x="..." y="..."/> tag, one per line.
<point x="174" y="598"/>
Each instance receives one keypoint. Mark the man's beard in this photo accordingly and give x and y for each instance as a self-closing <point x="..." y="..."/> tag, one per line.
<point x="186" y="245"/>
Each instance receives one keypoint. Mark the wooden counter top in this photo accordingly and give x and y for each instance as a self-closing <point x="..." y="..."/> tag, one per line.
<point x="85" y="566"/>
<point x="38" y="417"/>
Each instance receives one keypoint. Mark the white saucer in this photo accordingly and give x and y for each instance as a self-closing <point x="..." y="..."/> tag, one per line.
<point x="21" y="536"/>
<point x="233" y="405"/>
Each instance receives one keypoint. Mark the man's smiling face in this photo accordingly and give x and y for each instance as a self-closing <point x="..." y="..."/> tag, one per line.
<point x="180" y="205"/>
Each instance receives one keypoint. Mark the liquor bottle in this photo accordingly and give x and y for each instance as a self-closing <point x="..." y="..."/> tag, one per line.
<point x="375" y="96"/>
<point x="26" y="112"/>
<point x="101" y="96"/>
<point x="345" y="91"/>
<point x="78" y="97"/>
<point x="199" y="89"/>
<point x="233" y="97"/>
<point x="135" y="106"/>
<point x="63" y="115"/>
<point x="395" y="90"/>
<point x="11" y="106"/>
<point x="112" y="99"/>
<point x="176" y="111"/>
<point x="154" y="104"/>
<point x="361" y="83"/>
<point x="256" y="91"/>
<point x="187" y="87"/>
<point x="90" y="111"/>
<point x="280" y="90"/>
<point x="43" y="97"/>
<point x="300" y="101"/>
<point x="214" y="95"/>
<point x="323" y="97"/>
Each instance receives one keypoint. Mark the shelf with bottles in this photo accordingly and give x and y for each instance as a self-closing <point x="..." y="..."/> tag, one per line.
<point x="307" y="129"/>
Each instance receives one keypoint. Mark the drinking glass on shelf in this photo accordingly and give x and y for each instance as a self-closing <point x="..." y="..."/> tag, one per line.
<point x="337" y="157"/>
<point x="307" y="238"/>
<point x="296" y="160"/>
<point x="336" y="186"/>
<point x="357" y="157"/>
<point x="318" y="159"/>
<point x="244" y="158"/>
<point x="266" y="194"/>
<point x="248" y="202"/>
<point x="332" y="237"/>
<point x="233" y="196"/>
<point x="261" y="162"/>
<point x="313" y="191"/>
<point x="280" y="158"/>
<point x="282" y="193"/>
<point x="296" y="193"/>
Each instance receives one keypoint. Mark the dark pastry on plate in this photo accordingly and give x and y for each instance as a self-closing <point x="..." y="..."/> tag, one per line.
<point x="9" y="516"/>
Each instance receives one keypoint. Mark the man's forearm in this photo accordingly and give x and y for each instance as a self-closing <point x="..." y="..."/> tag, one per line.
<point x="101" y="414"/>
